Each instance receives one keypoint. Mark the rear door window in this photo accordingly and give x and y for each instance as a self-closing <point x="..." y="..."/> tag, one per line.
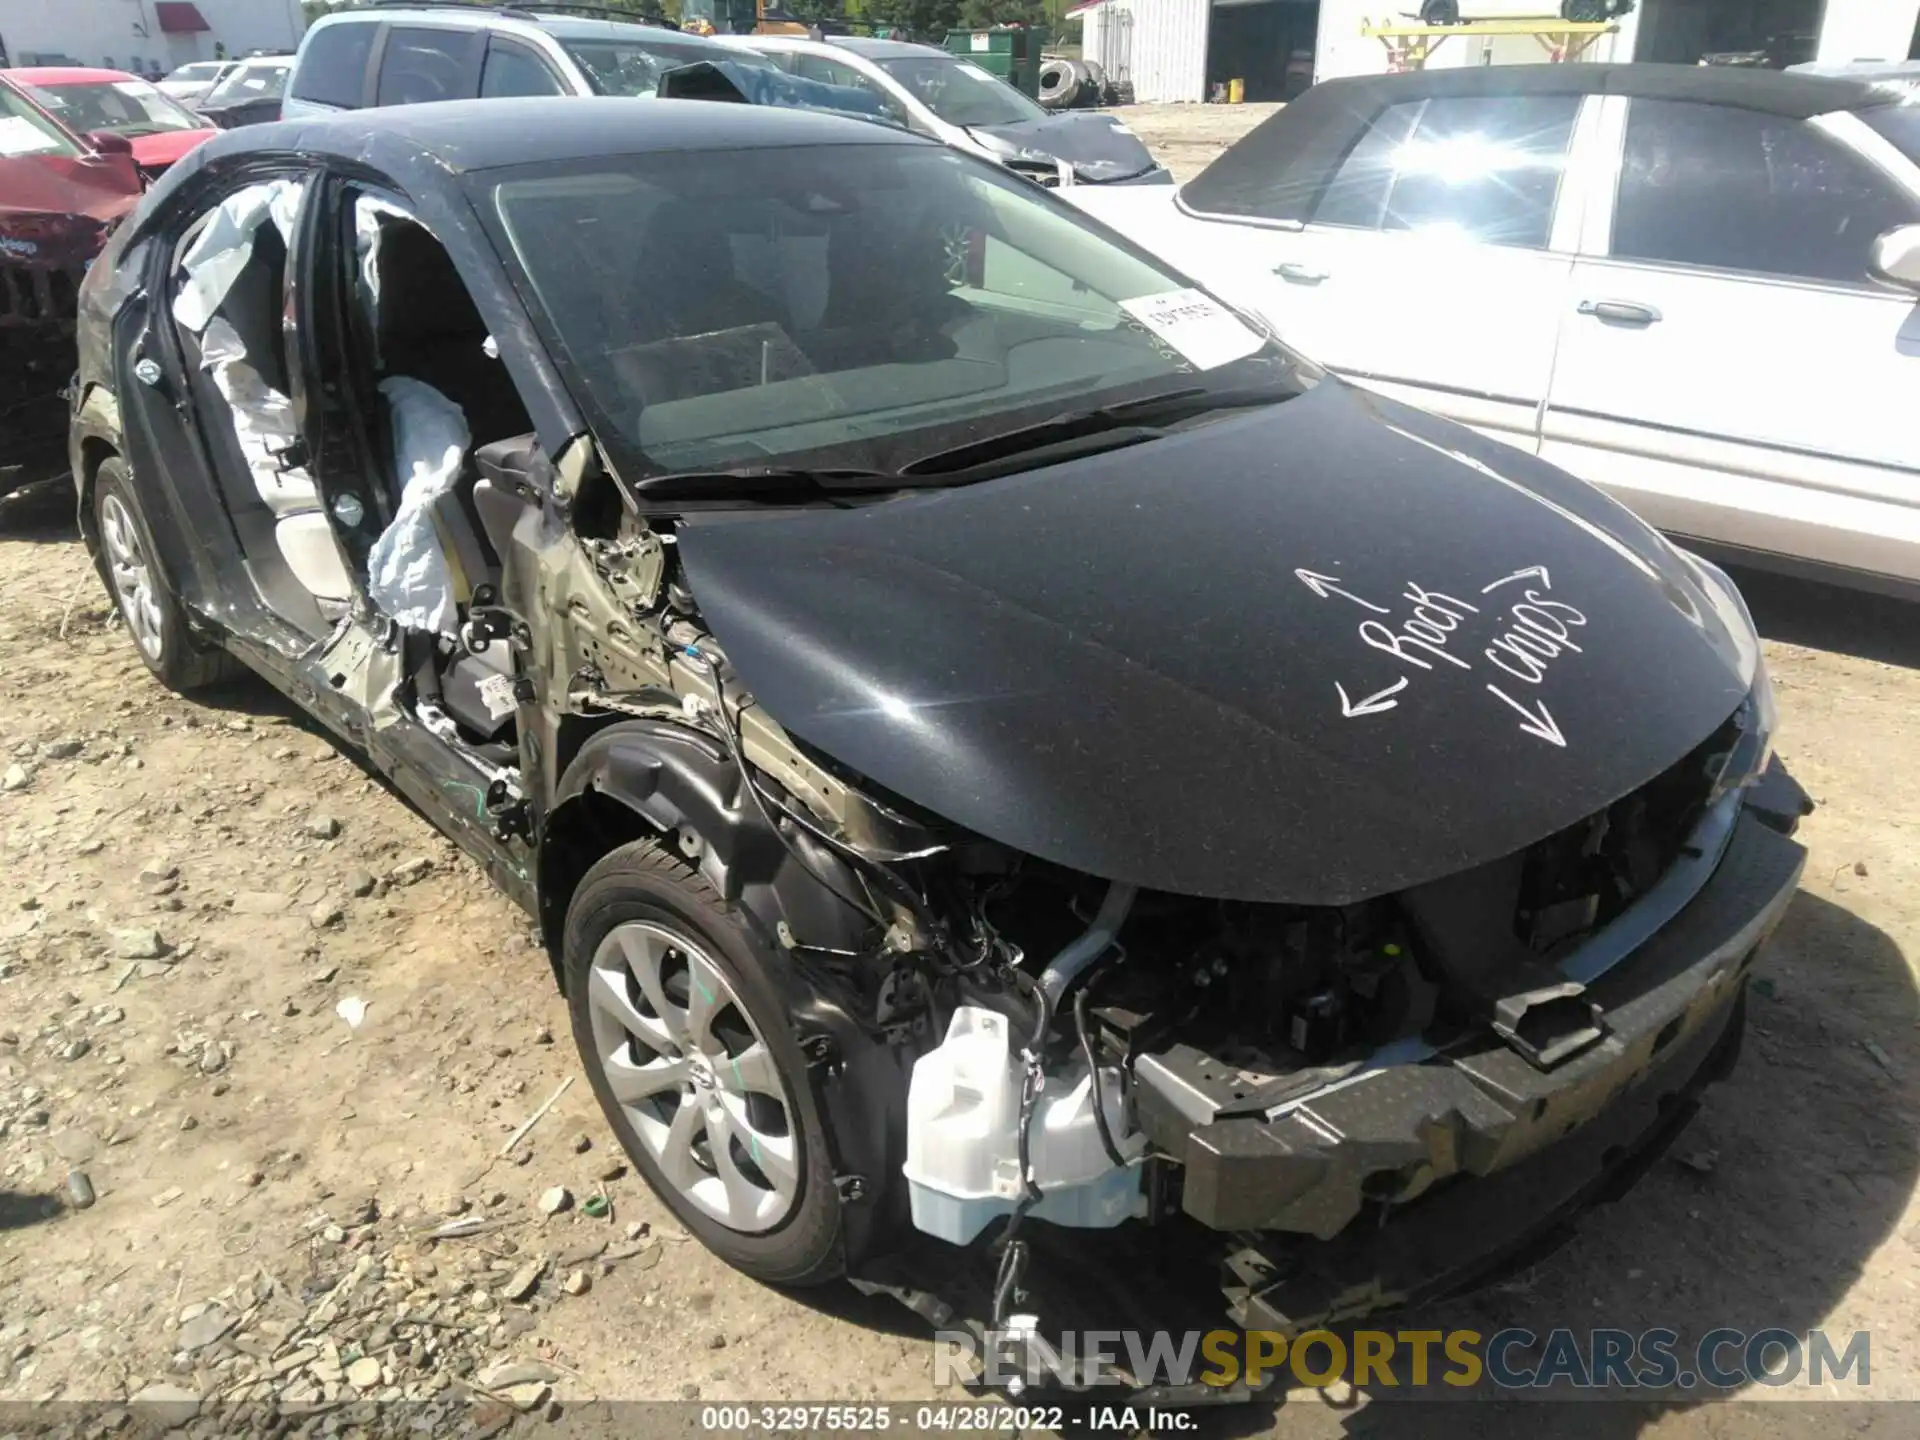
<point x="513" y="69"/>
<point x="333" y="66"/>
<point x="1732" y="189"/>
<point x="422" y="64"/>
<point x="1485" y="168"/>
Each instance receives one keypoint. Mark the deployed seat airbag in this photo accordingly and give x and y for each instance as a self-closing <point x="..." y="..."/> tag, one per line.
<point x="408" y="574"/>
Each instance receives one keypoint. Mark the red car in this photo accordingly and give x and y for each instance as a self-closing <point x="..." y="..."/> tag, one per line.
<point x="111" y="102"/>
<point x="59" y="198"/>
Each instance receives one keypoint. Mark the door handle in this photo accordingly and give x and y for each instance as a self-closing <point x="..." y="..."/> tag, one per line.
<point x="1620" y="312"/>
<point x="1299" y="274"/>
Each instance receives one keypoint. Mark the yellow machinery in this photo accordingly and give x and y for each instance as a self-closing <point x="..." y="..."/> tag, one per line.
<point x="1409" y="46"/>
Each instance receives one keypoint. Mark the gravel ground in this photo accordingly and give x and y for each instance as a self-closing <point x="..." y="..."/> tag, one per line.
<point x="284" y="1033"/>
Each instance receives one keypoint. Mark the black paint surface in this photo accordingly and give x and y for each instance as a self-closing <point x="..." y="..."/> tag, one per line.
<point x="1112" y="663"/>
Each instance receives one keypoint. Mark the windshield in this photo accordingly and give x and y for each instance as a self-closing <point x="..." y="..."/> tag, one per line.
<point x="25" y="131"/>
<point x="960" y="92"/>
<point x="872" y="302"/>
<point x="127" y="107"/>
<point x="251" y="82"/>
<point x="197" y="72"/>
<point x="1898" y="123"/>
<point x="634" y="67"/>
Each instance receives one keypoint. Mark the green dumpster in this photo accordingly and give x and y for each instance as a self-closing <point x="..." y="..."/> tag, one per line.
<point x="1011" y="52"/>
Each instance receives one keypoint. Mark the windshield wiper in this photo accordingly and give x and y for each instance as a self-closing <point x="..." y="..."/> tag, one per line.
<point x="1125" y="422"/>
<point x="1064" y="437"/>
<point x="762" y="484"/>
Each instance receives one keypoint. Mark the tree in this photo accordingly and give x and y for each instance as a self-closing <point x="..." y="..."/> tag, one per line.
<point x="923" y="19"/>
<point x="811" y="10"/>
<point x="978" y="14"/>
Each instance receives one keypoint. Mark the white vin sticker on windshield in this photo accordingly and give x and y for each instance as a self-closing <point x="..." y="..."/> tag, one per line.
<point x="1205" y="332"/>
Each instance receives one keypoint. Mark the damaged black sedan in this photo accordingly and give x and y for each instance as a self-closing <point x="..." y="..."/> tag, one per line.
<point x="994" y="740"/>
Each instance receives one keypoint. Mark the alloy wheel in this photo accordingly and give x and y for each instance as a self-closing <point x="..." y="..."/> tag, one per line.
<point x="693" y="1074"/>
<point x="132" y="576"/>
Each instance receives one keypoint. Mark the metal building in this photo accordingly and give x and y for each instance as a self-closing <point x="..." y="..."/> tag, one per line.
<point x="1190" y="50"/>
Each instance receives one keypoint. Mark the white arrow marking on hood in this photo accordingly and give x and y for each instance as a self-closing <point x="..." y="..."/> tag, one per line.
<point x="1325" y="585"/>
<point x="1374" y="704"/>
<point x="1538" y="720"/>
<point x="1546" y="580"/>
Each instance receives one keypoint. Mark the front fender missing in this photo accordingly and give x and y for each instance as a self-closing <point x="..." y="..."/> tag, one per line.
<point x="647" y="778"/>
<point x="655" y="778"/>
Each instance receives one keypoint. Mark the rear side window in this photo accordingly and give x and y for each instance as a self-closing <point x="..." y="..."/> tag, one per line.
<point x="333" y="65"/>
<point x="421" y="65"/>
<point x="1740" y="190"/>
<point x="1487" y="168"/>
<point x="1898" y="123"/>
<point x="515" y="70"/>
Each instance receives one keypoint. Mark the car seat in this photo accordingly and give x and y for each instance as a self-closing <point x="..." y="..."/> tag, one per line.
<point x="241" y="355"/>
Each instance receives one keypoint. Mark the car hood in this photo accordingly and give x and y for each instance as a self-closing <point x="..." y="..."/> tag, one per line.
<point x="156" y="152"/>
<point x="55" y="210"/>
<point x="1312" y="654"/>
<point x="1097" y="146"/>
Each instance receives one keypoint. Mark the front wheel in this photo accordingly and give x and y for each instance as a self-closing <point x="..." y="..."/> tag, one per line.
<point x="128" y="564"/>
<point x="686" y="1043"/>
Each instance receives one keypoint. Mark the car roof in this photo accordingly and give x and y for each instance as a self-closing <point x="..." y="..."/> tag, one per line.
<point x="1774" y="91"/>
<point x="69" y="75"/>
<point x="1850" y="69"/>
<point x="883" y="49"/>
<point x="1320" y="127"/>
<point x="482" y="17"/>
<point x="466" y="135"/>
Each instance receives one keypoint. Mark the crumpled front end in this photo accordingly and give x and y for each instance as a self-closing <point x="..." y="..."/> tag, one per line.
<point x="1310" y="1152"/>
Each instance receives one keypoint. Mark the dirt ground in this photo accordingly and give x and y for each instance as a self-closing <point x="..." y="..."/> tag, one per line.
<point x="285" y="1031"/>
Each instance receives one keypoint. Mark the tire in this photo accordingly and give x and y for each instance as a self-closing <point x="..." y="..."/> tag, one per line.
<point x="1059" y="85"/>
<point x="1083" y="90"/>
<point x="151" y="611"/>
<point x="1440" y="12"/>
<point x="637" y="901"/>
<point x="1583" y="12"/>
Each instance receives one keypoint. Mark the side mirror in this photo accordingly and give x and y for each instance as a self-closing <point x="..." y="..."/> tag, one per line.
<point x="109" y="142"/>
<point x="1896" y="258"/>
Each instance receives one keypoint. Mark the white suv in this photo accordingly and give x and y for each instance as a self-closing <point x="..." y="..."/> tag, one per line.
<point x="388" y="55"/>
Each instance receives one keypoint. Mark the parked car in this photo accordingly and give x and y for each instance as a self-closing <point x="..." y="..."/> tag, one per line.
<point x="905" y="644"/>
<point x="1600" y="265"/>
<point x="953" y="100"/>
<point x="191" y="82"/>
<point x="59" y="197"/>
<point x="114" y="102"/>
<point x="401" y="56"/>
<point x="251" y="94"/>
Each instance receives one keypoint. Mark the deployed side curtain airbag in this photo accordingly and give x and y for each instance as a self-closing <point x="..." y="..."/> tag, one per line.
<point x="263" y="419"/>
<point x="222" y="249"/>
<point x="408" y="575"/>
<point x="371" y="215"/>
